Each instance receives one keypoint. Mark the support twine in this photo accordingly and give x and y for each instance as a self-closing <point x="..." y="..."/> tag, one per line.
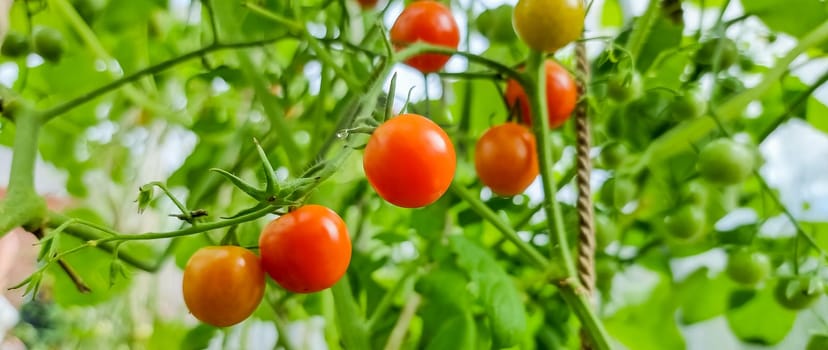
<point x="586" y="228"/>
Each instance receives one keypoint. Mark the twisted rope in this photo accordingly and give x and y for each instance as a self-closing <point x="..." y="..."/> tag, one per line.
<point x="586" y="228"/>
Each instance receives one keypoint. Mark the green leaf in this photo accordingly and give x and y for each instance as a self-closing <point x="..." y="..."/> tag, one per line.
<point x="816" y="114"/>
<point x="761" y="320"/>
<point x="795" y="17"/>
<point x="611" y="15"/>
<point x="498" y="292"/>
<point x="457" y="333"/>
<point x="702" y="297"/>
<point x="199" y="337"/>
<point x="649" y="324"/>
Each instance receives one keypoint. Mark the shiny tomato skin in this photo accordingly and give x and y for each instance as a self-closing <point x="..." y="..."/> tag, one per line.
<point x="306" y="250"/>
<point x="506" y="159"/>
<point x="409" y="161"/>
<point x="561" y="96"/>
<point x="548" y="25"/>
<point x="427" y="21"/>
<point x="223" y="285"/>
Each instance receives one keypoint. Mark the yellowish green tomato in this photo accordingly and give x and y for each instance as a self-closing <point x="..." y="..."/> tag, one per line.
<point x="747" y="267"/>
<point x="548" y="25"/>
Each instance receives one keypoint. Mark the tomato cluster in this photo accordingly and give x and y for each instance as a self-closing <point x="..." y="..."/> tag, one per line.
<point x="304" y="251"/>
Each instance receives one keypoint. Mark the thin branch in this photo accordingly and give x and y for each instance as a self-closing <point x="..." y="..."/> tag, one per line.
<point x="155" y="69"/>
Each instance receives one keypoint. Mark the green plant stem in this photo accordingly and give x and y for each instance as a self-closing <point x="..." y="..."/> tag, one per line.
<point x="385" y="303"/>
<point x="181" y="207"/>
<point x="312" y="41"/>
<point x="536" y="90"/>
<point x="682" y="136"/>
<point x="639" y="34"/>
<point x="798" y="101"/>
<point x="349" y="320"/>
<point x="420" y="47"/>
<point x="155" y="69"/>
<point x="570" y="287"/>
<point x="88" y="36"/>
<point x="22" y="205"/>
<point x="486" y="213"/>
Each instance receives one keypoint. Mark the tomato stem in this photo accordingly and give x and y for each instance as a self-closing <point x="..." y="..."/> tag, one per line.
<point x="571" y="290"/>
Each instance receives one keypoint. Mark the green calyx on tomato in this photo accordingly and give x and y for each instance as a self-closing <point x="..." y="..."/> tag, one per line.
<point x="48" y="43"/>
<point x="561" y="96"/>
<point x="548" y="25"/>
<point x="623" y="87"/>
<point x="306" y="250"/>
<point x="506" y="160"/>
<point x="728" y="53"/>
<point x="748" y="267"/>
<point x="430" y="22"/>
<point x="797" y="293"/>
<point x="496" y="24"/>
<point x="687" y="223"/>
<point x="726" y="162"/>
<point x="410" y="161"/>
<point x="223" y="285"/>
<point x="15" y="45"/>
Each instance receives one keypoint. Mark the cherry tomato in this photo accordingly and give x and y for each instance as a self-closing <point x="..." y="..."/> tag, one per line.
<point x="624" y="87"/>
<point x="748" y="268"/>
<point x="548" y="25"/>
<point x="817" y="342"/>
<point x="306" y="250"/>
<point x="728" y="55"/>
<point x="613" y="154"/>
<point x="617" y="192"/>
<point x="687" y="105"/>
<point x="427" y="21"/>
<point x="687" y="223"/>
<point x="15" y="44"/>
<point x="726" y="162"/>
<point x="506" y="159"/>
<point x="48" y="43"/>
<point x="223" y="285"/>
<point x="561" y="96"/>
<point x="796" y="293"/>
<point x="409" y="161"/>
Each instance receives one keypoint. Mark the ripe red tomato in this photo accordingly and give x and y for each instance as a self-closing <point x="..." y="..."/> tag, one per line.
<point x="410" y="161"/>
<point x="306" y="250"/>
<point x="561" y="96"/>
<point x="223" y="285"/>
<point x="430" y="22"/>
<point x="506" y="159"/>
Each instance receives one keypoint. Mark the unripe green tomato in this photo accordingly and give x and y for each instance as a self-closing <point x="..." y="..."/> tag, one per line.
<point x="687" y="223"/>
<point x="48" y="43"/>
<point x="15" y="44"/>
<point x="624" y="87"/>
<point x="727" y="87"/>
<point x="617" y="192"/>
<point x="727" y="57"/>
<point x="726" y="162"/>
<point x="747" y="267"/>
<point x="746" y="63"/>
<point x="687" y="105"/>
<point x="800" y="296"/>
<point x="548" y="25"/>
<point x="817" y="342"/>
<point x="496" y="24"/>
<point x="613" y="154"/>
